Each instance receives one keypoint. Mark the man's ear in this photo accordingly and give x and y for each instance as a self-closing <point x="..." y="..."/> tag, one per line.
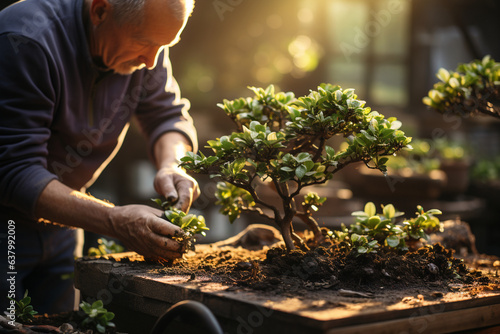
<point x="100" y="10"/>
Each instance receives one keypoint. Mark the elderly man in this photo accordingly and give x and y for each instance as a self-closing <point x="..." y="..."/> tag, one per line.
<point x="73" y="73"/>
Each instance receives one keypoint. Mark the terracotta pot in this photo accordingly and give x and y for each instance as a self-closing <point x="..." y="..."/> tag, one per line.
<point x="457" y="177"/>
<point x="370" y="183"/>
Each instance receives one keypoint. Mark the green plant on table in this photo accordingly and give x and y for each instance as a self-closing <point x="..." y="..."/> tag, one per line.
<point x="191" y="224"/>
<point x="372" y="230"/>
<point x="472" y="88"/>
<point x="105" y="247"/>
<point x="281" y="141"/>
<point x="96" y="316"/>
<point x="24" y="311"/>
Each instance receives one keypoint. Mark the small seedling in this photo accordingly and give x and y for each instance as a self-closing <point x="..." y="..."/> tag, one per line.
<point x="105" y="247"/>
<point x="191" y="224"/>
<point x="372" y="230"/>
<point x="24" y="310"/>
<point x="97" y="317"/>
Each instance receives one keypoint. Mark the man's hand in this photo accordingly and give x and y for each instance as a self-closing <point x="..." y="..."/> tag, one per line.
<point x="141" y="229"/>
<point x="138" y="227"/>
<point x="172" y="181"/>
<point x="177" y="187"/>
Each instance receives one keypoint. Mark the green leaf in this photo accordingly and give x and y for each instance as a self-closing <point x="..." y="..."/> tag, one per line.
<point x="338" y="95"/>
<point x="434" y="212"/>
<point x="85" y="307"/>
<point x="427" y="101"/>
<point x="97" y="304"/>
<point x="109" y="316"/>
<point x="330" y="151"/>
<point x="373" y="221"/>
<point x="389" y="211"/>
<point x="368" y="136"/>
<point x="435" y="96"/>
<point x="382" y="161"/>
<point x="300" y="171"/>
<point x="395" y="125"/>
<point x="101" y="328"/>
<point x="25" y="301"/>
<point x="303" y="156"/>
<point x="157" y="201"/>
<point x="392" y="241"/>
<point x="238" y="165"/>
<point x="353" y="104"/>
<point x="309" y="165"/>
<point x="454" y="82"/>
<point x="362" y="249"/>
<point x="370" y="209"/>
<point x="443" y="75"/>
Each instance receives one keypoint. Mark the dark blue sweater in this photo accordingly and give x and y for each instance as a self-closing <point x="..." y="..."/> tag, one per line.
<point x="60" y="116"/>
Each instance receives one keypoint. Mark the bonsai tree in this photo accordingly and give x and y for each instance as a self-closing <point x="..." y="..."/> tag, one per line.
<point x="281" y="140"/>
<point x="472" y="88"/>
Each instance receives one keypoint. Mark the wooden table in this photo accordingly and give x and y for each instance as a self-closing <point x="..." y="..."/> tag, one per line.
<point x="140" y="293"/>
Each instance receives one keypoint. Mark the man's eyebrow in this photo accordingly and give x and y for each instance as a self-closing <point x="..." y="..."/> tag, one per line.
<point x="143" y="39"/>
<point x="147" y="40"/>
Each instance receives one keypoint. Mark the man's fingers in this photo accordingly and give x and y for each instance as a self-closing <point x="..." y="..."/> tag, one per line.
<point x="163" y="227"/>
<point x="165" y="247"/>
<point x="166" y="188"/>
<point x="179" y="188"/>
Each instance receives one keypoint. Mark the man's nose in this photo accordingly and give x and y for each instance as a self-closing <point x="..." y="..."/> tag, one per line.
<point x="149" y="58"/>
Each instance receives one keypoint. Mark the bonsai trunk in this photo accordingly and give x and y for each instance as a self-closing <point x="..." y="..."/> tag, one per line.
<point x="312" y="225"/>
<point x="286" y="232"/>
<point x="285" y="224"/>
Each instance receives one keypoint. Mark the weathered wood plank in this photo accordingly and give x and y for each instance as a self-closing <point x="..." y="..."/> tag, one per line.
<point x="148" y="292"/>
<point x="440" y="322"/>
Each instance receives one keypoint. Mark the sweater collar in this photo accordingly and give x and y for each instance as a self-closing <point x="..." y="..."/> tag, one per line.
<point x="84" y="26"/>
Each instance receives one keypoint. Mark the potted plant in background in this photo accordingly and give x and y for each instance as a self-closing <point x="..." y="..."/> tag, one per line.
<point x="455" y="162"/>
<point x="472" y="88"/>
<point x="412" y="175"/>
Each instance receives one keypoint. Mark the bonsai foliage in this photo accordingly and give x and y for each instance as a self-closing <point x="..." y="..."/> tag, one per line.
<point x="24" y="310"/>
<point x="96" y="316"/>
<point x="189" y="223"/>
<point x="372" y="230"/>
<point x="281" y="141"/>
<point x="472" y="88"/>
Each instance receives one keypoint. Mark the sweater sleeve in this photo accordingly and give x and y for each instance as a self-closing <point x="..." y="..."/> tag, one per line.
<point x="161" y="109"/>
<point x="27" y="99"/>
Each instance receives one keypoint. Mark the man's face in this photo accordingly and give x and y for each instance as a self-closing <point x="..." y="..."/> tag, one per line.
<point x="126" y="48"/>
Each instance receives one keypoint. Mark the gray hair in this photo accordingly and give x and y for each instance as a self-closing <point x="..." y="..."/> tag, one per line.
<point x="132" y="11"/>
